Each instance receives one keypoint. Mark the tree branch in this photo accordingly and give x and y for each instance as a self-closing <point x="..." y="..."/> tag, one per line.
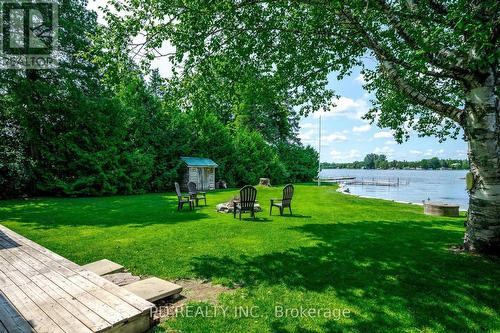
<point x="441" y="108"/>
<point x="386" y="62"/>
<point x="434" y="59"/>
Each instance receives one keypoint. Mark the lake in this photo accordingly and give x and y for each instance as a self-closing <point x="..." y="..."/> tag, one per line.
<point x="416" y="185"/>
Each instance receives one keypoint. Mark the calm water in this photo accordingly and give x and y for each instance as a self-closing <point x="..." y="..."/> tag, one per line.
<point x="438" y="185"/>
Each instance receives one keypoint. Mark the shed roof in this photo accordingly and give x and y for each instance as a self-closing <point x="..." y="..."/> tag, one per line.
<point x="198" y="162"/>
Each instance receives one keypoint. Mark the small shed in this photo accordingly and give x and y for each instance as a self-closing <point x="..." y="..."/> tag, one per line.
<point x="199" y="170"/>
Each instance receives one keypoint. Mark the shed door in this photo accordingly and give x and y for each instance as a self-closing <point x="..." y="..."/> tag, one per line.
<point x="203" y="179"/>
<point x="211" y="178"/>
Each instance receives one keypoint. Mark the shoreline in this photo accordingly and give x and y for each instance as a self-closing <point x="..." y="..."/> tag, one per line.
<point x="391" y="200"/>
<point x="396" y="169"/>
<point x="440" y="185"/>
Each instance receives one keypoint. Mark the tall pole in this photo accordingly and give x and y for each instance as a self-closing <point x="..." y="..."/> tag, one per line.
<point x="319" y="152"/>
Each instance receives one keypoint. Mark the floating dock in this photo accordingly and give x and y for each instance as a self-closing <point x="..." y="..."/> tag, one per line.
<point x="362" y="181"/>
<point x="373" y="182"/>
<point x="335" y="180"/>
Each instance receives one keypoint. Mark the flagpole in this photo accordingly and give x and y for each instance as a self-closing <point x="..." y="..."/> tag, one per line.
<point x="319" y="151"/>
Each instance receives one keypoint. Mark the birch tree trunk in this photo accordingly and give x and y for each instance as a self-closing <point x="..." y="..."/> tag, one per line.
<point x="482" y="129"/>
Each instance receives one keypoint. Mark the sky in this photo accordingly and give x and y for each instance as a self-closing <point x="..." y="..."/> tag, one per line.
<point x="345" y="136"/>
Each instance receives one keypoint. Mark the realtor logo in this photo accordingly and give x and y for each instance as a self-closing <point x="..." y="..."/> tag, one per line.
<point x="28" y="34"/>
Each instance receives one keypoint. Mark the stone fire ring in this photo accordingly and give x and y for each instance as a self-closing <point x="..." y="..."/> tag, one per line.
<point x="228" y="207"/>
<point x="441" y="209"/>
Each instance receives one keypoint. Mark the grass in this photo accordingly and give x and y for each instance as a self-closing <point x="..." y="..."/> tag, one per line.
<point x="386" y="263"/>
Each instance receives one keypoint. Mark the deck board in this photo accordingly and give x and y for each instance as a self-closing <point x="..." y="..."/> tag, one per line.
<point x="88" y="317"/>
<point x="52" y="294"/>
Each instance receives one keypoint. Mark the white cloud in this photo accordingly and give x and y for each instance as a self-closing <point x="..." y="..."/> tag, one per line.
<point x="339" y="137"/>
<point x="384" y="150"/>
<point x="308" y="125"/>
<point x="432" y="153"/>
<point x="310" y="136"/>
<point x="428" y="152"/>
<point x="361" y="129"/>
<point x="307" y="137"/>
<point x="336" y="153"/>
<point x="345" y="156"/>
<point x="415" y="152"/>
<point x="390" y="142"/>
<point x="346" y="107"/>
<point x="360" y="78"/>
<point x="382" y="134"/>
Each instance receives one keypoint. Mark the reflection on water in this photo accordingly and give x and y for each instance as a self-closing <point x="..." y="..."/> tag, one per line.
<point x="438" y="185"/>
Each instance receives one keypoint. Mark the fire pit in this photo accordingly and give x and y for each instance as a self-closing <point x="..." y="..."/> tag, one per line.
<point x="228" y="207"/>
<point x="441" y="209"/>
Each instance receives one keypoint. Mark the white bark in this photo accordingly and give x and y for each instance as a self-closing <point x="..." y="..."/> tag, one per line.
<point x="482" y="129"/>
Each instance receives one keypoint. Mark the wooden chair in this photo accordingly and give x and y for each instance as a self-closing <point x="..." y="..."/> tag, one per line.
<point x="246" y="203"/>
<point x="286" y="201"/>
<point x="195" y="194"/>
<point x="182" y="199"/>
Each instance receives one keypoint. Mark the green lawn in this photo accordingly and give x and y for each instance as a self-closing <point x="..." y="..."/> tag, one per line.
<point x="387" y="263"/>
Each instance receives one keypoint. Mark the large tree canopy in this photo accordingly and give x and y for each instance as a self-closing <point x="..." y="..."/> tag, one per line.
<point x="95" y="126"/>
<point x="436" y="65"/>
<point x="239" y="96"/>
<point x="427" y="51"/>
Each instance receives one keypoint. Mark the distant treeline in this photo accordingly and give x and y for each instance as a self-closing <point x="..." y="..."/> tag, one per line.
<point x="375" y="161"/>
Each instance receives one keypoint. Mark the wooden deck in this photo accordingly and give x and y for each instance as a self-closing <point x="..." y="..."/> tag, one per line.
<point x="40" y="291"/>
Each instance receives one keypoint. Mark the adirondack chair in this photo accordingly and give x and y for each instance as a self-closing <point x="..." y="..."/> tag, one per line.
<point x="286" y="201"/>
<point x="182" y="199"/>
<point x="195" y="194"/>
<point x="248" y="194"/>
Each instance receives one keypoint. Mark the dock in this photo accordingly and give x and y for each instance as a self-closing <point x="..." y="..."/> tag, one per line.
<point x="375" y="182"/>
<point x="372" y="181"/>
<point x="41" y="291"/>
<point x="335" y="179"/>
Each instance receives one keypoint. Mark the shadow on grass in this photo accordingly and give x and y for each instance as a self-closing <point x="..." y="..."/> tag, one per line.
<point x="257" y="220"/>
<point x="247" y="218"/>
<point x="388" y="270"/>
<point x="295" y="216"/>
<point x="132" y="211"/>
